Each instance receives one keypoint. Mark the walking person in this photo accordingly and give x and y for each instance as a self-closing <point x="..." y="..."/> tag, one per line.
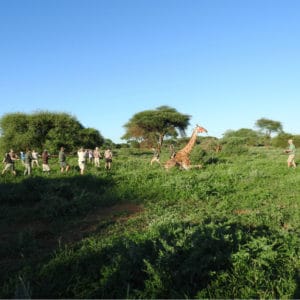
<point x="90" y="155"/>
<point x="28" y="162"/>
<point x="108" y="158"/>
<point x="8" y="164"/>
<point x="13" y="157"/>
<point x="35" y="158"/>
<point x="292" y="153"/>
<point x="64" y="167"/>
<point x="97" y="156"/>
<point x="82" y="155"/>
<point x="45" y="164"/>
<point x="22" y="157"/>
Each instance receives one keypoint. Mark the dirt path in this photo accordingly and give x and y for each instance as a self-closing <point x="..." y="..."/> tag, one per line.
<point x="47" y="237"/>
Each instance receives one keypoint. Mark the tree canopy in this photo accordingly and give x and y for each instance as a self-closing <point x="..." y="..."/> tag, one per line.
<point x="269" y="126"/>
<point x="152" y="126"/>
<point x="45" y="130"/>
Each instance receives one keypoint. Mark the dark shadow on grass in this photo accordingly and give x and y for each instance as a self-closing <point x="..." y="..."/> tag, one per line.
<point x="35" y="189"/>
<point x="172" y="261"/>
<point x="297" y="291"/>
<point x="41" y="214"/>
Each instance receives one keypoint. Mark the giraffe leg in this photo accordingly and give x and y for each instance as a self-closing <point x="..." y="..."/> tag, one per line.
<point x="196" y="166"/>
<point x="185" y="167"/>
<point x="170" y="164"/>
<point x="155" y="159"/>
<point x="185" y="163"/>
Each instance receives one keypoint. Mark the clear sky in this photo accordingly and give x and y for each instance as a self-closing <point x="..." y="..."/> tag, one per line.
<point x="227" y="63"/>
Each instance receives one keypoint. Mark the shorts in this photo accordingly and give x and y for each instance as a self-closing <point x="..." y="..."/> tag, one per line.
<point x="108" y="160"/>
<point x="9" y="167"/>
<point x="62" y="164"/>
<point x="81" y="165"/>
<point x="291" y="157"/>
<point x="46" y="168"/>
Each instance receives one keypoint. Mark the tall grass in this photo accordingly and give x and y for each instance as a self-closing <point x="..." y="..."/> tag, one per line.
<point x="228" y="230"/>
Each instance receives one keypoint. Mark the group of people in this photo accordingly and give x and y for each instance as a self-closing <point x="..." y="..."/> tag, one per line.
<point x="31" y="158"/>
<point x="28" y="159"/>
<point x="93" y="156"/>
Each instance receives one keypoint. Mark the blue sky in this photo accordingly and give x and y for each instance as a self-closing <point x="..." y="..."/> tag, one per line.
<point x="227" y="63"/>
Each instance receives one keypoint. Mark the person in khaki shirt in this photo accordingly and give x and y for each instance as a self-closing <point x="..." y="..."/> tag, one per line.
<point x="82" y="155"/>
<point x="63" y="160"/>
<point x="292" y="153"/>
<point x="108" y="158"/>
<point x="97" y="156"/>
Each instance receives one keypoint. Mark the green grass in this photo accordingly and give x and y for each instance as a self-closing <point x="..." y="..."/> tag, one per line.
<point x="228" y="230"/>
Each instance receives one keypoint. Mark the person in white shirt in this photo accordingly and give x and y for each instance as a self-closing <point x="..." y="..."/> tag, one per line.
<point x="35" y="158"/>
<point x="82" y="159"/>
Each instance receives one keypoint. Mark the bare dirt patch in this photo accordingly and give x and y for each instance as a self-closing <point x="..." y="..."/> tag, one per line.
<point x="108" y="215"/>
<point x="47" y="236"/>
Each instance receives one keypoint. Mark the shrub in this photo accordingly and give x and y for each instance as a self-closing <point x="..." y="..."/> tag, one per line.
<point x="235" y="146"/>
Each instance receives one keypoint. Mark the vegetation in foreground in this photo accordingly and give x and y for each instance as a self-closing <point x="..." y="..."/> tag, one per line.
<point x="228" y="230"/>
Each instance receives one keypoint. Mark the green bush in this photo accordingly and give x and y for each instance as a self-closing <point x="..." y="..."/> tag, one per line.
<point x="281" y="140"/>
<point x="213" y="259"/>
<point x="234" y="146"/>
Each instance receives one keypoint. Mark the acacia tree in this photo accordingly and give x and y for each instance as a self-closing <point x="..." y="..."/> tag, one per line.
<point x="153" y="126"/>
<point x="268" y="127"/>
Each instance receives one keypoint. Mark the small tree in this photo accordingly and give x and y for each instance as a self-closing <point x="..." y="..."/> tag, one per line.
<point x="268" y="127"/>
<point x="154" y="125"/>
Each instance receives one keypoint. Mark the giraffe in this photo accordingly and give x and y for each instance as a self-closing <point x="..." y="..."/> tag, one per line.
<point x="182" y="156"/>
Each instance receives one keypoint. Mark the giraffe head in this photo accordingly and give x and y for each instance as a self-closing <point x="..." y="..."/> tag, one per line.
<point x="200" y="129"/>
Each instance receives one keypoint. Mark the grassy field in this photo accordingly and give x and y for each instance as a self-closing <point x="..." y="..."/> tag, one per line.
<point x="228" y="230"/>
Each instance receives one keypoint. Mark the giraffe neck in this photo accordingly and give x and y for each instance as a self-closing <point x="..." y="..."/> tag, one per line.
<point x="189" y="146"/>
